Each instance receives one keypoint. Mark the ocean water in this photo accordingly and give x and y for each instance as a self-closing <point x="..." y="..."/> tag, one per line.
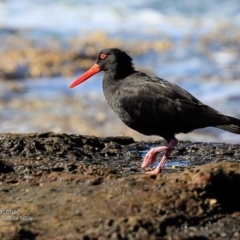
<point x="116" y="16"/>
<point x="211" y="74"/>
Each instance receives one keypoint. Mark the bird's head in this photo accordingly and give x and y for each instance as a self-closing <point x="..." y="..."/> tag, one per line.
<point x="111" y="60"/>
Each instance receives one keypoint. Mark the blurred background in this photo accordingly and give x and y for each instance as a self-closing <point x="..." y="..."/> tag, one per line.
<point x="45" y="45"/>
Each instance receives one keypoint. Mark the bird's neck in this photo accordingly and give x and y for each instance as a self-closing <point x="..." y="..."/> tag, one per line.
<point x="120" y="71"/>
<point x="112" y="81"/>
<point x="114" y="77"/>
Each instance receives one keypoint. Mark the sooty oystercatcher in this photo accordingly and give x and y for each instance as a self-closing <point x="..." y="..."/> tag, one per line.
<point x="151" y="105"/>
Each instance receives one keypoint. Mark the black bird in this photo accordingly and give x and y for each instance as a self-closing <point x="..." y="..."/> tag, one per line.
<point x="151" y="105"/>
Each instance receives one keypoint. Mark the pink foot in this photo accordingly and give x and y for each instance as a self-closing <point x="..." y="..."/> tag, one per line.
<point x="160" y="166"/>
<point x="153" y="172"/>
<point x="151" y="156"/>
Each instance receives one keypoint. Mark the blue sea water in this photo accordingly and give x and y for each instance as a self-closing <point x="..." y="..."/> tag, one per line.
<point x="115" y="16"/>
<point x="213" y="77"/>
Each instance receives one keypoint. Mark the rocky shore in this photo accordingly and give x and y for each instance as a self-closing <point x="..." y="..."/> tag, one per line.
<point x="28" y="53"/>
<point x="66" y="186"/>
<point x="25" y="57"/>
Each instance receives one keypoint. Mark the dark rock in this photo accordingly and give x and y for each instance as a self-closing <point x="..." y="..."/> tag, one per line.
<point x="72" y="181"/>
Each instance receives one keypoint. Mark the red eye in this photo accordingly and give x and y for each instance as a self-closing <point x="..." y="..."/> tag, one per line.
<point x="103" y="56"/>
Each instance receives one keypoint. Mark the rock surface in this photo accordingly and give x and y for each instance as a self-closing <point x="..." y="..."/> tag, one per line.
<point x="60" y="186"/>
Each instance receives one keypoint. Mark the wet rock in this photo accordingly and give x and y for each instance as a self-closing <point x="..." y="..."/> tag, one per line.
<point x="4" y="168"/>
<point x="93" y="188"/>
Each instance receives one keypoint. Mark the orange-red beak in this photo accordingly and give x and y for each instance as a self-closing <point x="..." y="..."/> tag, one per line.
<point x="93" y="70"/>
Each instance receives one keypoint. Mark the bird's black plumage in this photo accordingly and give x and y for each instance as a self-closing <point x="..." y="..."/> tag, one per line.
<point x="151" y="105"/>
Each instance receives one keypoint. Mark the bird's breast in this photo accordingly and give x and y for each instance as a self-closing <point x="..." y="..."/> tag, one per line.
<point x="114" y="93"/>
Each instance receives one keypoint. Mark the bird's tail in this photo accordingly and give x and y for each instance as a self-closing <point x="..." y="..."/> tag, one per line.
<point x="232" y="126"/>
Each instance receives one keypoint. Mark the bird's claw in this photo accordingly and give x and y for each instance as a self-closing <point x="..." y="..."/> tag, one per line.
<point x="154" y="172"/>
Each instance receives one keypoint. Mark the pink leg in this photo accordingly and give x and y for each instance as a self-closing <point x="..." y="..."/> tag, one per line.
<point x="151" y="156"/>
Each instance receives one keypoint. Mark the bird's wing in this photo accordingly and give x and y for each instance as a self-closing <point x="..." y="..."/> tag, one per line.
<point x="154" y="100"/>
<point x="168" y="89"/>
